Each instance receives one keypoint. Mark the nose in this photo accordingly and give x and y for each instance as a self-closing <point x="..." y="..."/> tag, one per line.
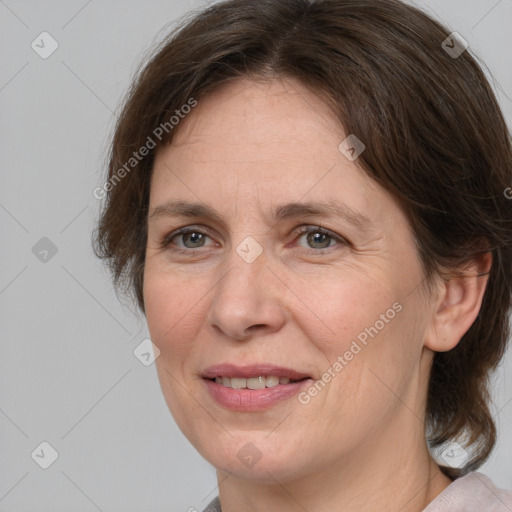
<point x="248" y="300"/>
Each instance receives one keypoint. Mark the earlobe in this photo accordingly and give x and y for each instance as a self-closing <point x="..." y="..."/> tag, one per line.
<point x="458" y="304"/>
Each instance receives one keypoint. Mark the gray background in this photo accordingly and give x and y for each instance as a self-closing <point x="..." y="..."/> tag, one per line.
<point x="68" y="372"/>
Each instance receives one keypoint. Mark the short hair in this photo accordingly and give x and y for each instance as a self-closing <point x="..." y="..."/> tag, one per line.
<point x="435" y="139"/>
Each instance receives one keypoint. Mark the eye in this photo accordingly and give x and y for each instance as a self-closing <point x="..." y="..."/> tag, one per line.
<point x="318" y="238"/>
<point x="186" y="238"/>
<point x="189" y="238"/>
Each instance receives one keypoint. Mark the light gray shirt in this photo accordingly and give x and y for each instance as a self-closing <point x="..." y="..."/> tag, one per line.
<point x="473" y="492"/>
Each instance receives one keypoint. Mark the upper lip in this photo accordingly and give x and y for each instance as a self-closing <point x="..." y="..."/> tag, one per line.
<point x="248" y="371"/>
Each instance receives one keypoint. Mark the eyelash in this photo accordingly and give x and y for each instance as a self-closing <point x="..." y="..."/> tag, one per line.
<point x="167" y="240"/>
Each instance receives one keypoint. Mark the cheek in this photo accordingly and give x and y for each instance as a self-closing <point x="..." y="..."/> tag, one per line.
<point x="174" y="315"/>
<point x="173" y="310"/>
<point x="341" y="307"/>
<point x="363" y="329"/>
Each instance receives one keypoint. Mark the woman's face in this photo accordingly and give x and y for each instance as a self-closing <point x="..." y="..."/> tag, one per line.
<point x="299" y="278"/>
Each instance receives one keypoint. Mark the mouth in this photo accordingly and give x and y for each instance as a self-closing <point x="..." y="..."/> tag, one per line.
<point x="260" y="382"/>
<point x="252" y="388"/>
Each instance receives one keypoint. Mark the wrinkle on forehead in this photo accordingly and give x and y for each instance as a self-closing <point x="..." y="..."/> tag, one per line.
<point x="253" y="112"/>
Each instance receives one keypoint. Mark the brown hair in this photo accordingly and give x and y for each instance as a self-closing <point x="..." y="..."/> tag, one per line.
<point x="435" y="139"/>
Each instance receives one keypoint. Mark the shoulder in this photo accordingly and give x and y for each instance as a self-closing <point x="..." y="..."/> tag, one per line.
<point x="214" y="506"/>
<point x="473" y="492"/>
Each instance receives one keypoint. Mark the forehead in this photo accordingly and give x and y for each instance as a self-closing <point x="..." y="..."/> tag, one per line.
<point x="266" y="124"/>
<point x="269" y="142"/>
<point x="245" y="114"/>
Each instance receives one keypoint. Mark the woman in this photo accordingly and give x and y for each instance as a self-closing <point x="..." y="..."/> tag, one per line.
<point x="306" y="199"/>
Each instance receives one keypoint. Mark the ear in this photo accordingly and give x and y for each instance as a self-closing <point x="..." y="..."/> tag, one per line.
<point x="457" y="304"/>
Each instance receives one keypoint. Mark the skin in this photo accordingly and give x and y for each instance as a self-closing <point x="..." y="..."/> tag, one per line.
<point x="359" y="444"/>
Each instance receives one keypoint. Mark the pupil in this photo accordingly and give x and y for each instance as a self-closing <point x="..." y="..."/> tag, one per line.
<point x="319" y="238"/>
<point x="195" y="239"/>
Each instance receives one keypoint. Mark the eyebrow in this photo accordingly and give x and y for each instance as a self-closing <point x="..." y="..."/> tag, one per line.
<point x="287" y="211"/>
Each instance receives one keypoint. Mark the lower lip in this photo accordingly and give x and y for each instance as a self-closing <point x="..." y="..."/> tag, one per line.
<point x="253" y="399"/>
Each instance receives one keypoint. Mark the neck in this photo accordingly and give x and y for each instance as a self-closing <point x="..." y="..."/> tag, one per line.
<point x="396" y="474"/>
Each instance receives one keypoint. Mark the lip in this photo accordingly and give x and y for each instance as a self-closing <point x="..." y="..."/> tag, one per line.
<point x="231" y="370"/>
<point x="252" y="400"/>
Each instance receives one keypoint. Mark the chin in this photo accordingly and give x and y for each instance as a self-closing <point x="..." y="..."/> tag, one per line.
<point x="255" y="457"/>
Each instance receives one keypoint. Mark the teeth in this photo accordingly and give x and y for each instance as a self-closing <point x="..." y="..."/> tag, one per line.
<point x="270" y="382"/>
<point x="256" y="383"/>
<point x="238" y="383"/>
<point x="260" y="382"/>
